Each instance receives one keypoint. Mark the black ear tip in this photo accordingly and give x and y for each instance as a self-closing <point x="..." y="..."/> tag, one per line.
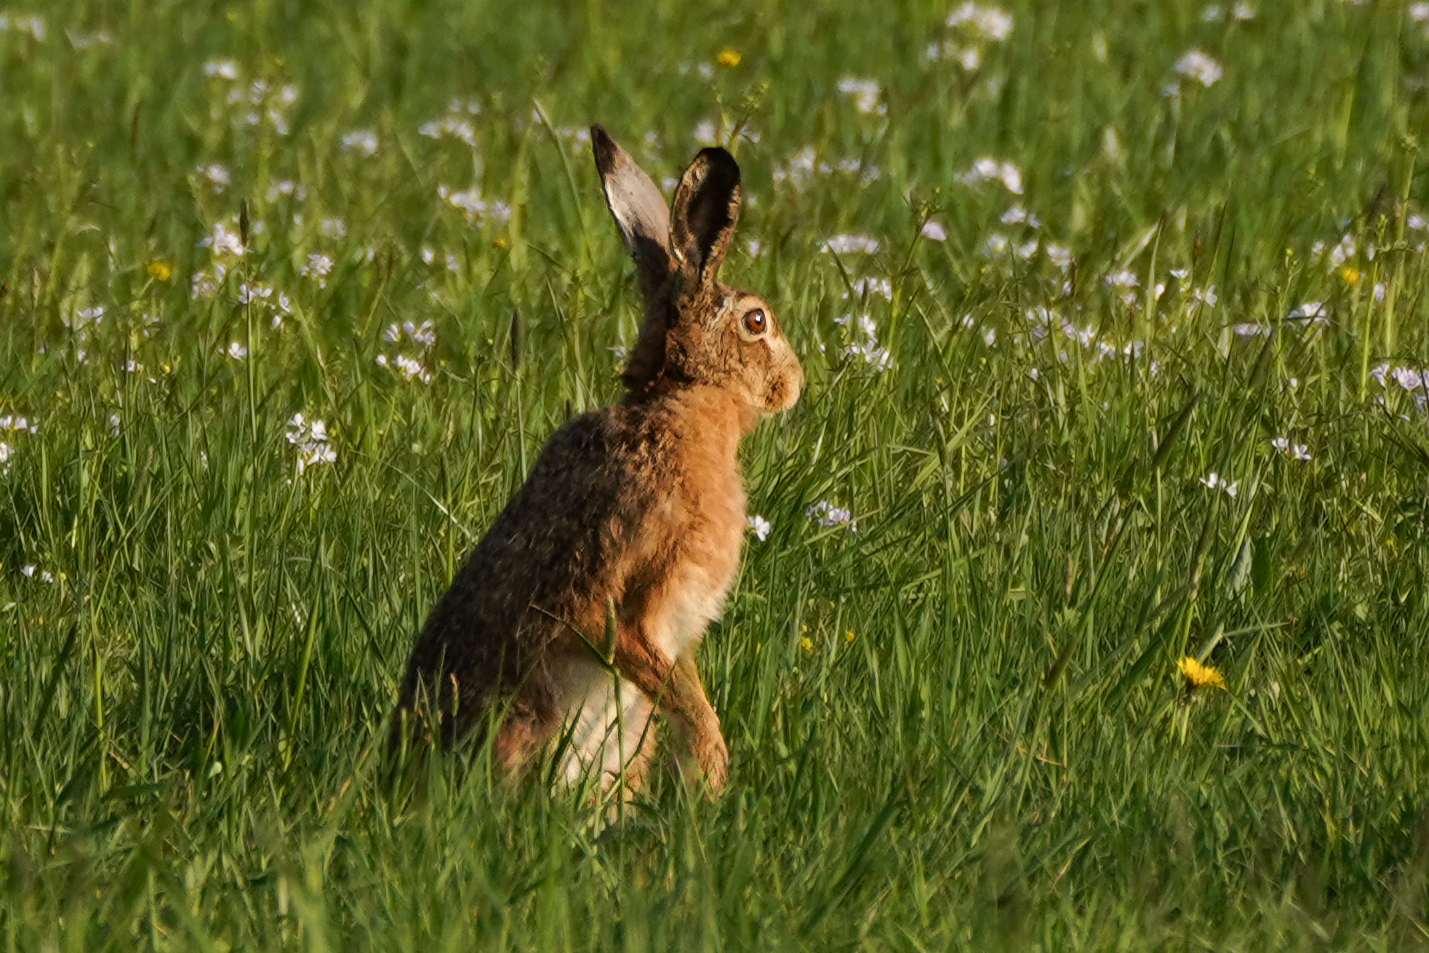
<point x="719" y="167"/>
<point x="721" y="163"/>
<point x="603" y="146"/>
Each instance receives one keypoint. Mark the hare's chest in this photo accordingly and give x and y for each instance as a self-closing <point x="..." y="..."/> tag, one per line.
<point x="702" y="561"/>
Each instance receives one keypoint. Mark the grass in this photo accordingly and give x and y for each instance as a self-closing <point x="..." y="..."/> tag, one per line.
<point x="959" y="725"/>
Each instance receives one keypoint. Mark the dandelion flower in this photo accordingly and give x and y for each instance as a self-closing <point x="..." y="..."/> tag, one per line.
<point x="160" y="270"/>
<point x="1198" y="675"/>
<point x="728" y="58"/>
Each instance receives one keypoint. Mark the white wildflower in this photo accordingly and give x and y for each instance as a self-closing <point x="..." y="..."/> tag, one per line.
<point x="990" y="23"/>
<point x="1215" y="481"/>
<point x="866" y="94"/>
<point x="223" y="241"/>
<point x="933" y="231"/>
<point x="799" y="168"/>
<point x="760" y="526"/>
<point x="470" y="203"/>
<point x="452" y="127"/>
<point x="419" y="333"/>
<point x="988" y="169"/>
<point x="829" y="516"/>
<point x="311" y="441"/>
<point x="80" y="319"/>
<point x="1343" y="251"/>
<point x="1295" y="451"/>
<point x="221" y="69"/>
<point x="254" y="294"/>
<point x="849" y="245"/>
<point x="285" y="188"/>
<point x="1198" y="66"/>
<point x="409" y="367"/>
<point x="1215" y="13"/>
<point x="32" y="572"/>
<point x="1407" y="378"/>
<point x="1059" y="255"/>
<point x="23" y="23"/>
<point x="236" y="351"/>
<point x="364" y="141"/>
<point x="216" y="174"/>
<point x="319" y="266"/>
<point x="1017" y="215"/>
<point x="862" y="287"/>
<point x="968" y="57"/>
<point x="204" y="285"/>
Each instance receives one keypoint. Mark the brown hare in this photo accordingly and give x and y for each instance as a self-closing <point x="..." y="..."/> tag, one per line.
<point x="625" y="537"/>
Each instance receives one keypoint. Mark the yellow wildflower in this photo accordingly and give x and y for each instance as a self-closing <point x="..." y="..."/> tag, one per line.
<point x="806" y="643"/>
<point x="160" y="270"/>
<point x="1198" y="675"/>
<point x="848" y="636"/>
<point x="1350" y="274"/>
<point x="728" y="58"/>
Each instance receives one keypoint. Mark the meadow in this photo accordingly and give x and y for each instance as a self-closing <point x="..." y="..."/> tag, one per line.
<point x="1116" y="334"/>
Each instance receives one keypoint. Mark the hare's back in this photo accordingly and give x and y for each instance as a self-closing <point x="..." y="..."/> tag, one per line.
<point x="551" y="551"/>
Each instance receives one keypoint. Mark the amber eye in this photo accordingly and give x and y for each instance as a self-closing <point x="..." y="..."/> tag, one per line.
<point x="755" y="322"/>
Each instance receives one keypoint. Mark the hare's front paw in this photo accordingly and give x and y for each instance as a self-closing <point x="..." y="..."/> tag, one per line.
<point x="713" y="758"/>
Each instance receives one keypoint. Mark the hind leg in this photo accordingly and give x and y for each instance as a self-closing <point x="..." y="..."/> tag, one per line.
<point x="527" y="727"/>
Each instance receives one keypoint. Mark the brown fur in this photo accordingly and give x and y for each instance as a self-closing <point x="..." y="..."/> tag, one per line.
<point x="639" y="506"/>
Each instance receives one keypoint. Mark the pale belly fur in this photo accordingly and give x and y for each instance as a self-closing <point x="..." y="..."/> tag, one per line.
<point x="605" y="722"/>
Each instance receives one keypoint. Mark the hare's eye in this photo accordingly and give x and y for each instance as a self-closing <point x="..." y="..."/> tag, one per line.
<point x="755" y="322"/>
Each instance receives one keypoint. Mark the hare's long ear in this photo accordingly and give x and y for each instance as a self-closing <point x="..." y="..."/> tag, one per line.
<point x="638" y="209"/>
<point x="704" y="211"/>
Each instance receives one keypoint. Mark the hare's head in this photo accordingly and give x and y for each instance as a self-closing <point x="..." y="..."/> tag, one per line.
<point x="696" y="329"/>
